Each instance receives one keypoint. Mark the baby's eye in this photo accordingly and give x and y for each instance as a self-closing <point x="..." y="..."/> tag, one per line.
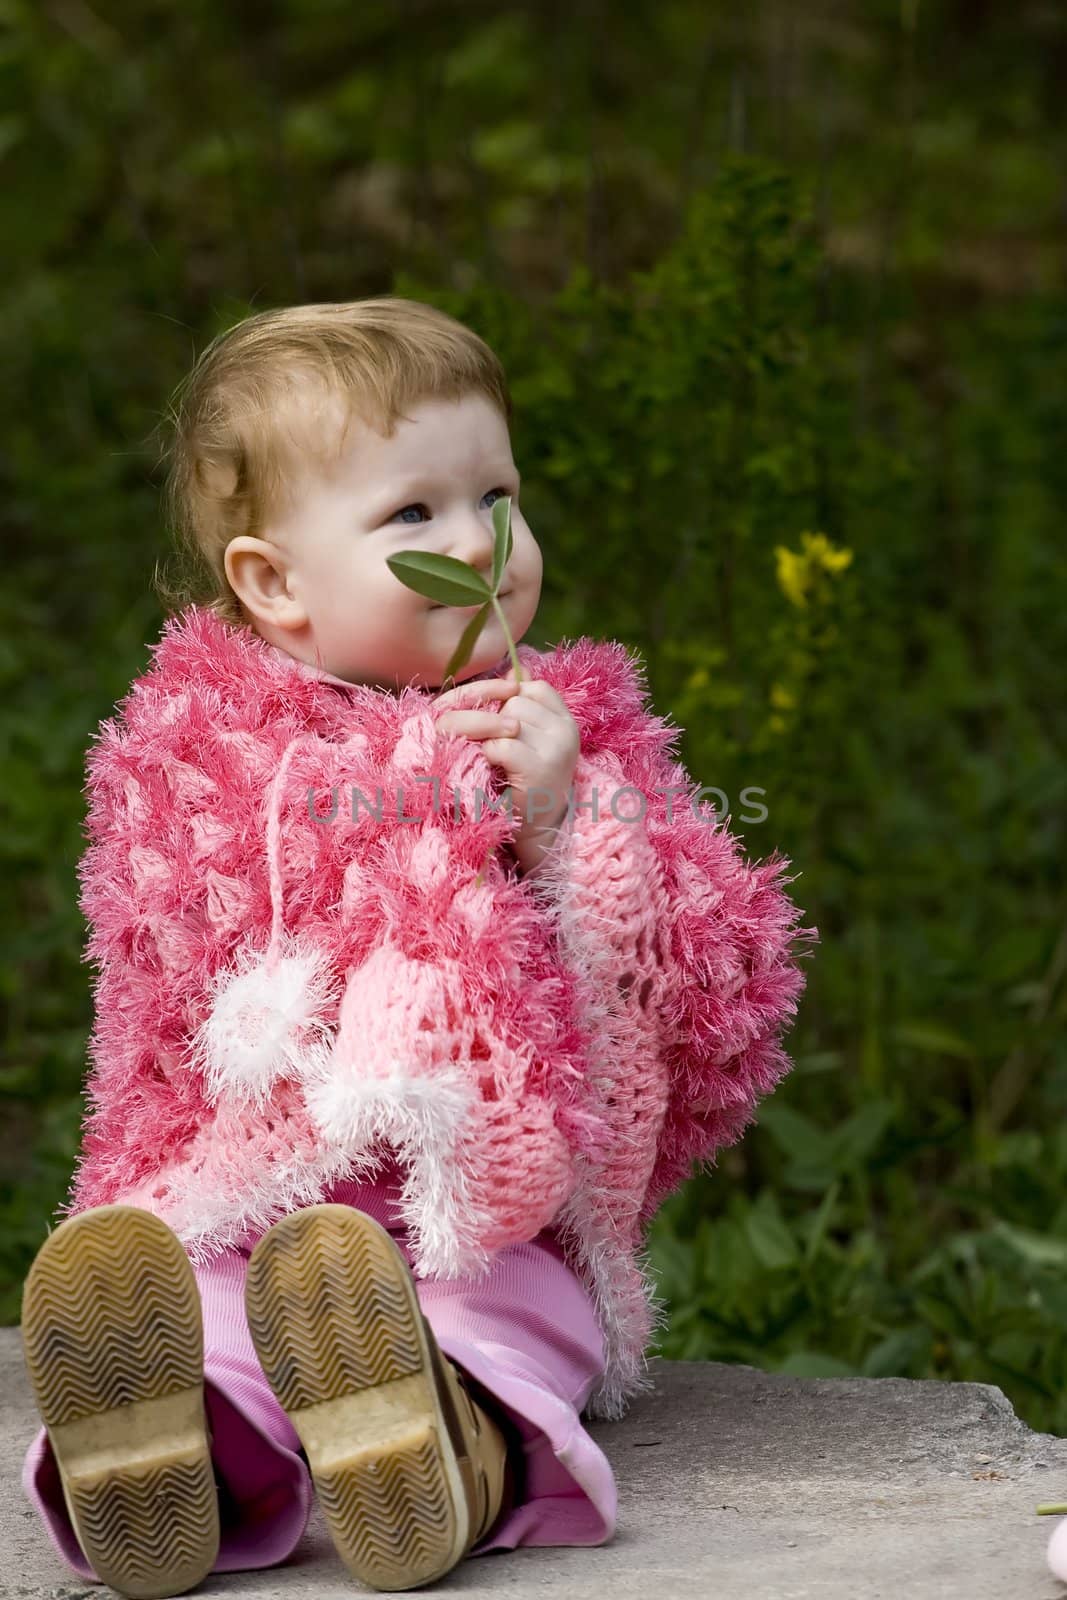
<point x="419" y="505"/>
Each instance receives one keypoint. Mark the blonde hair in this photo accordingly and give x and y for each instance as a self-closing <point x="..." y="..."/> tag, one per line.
<point x="251" y="413"/>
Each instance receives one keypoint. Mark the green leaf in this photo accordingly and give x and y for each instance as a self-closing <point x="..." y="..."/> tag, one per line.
<point x="809" y="1179"/>
<point x="818" y="1061"/>
<point x="896" y="1353"/>
<point x="854" y="1140"/>
<point x="940" y="1314"/>
<point x="1020" y="1148"/>
<point x="462" y="653"/>
<point x="502" y="540"/>
<point x="821" y="1221"/>
<point x="797" y="1135"/>
<point x="1040" y="1249"/>
<point x="814" y="1364"/>
<point x="1052" y="1292"/>
<point x="441" y="578"/>
<point x="769" y="1234"/>
<point x="932" y="1037"/>
<point x="674" y="1263"/>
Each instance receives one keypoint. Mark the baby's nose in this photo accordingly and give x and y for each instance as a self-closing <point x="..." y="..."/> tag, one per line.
<point x="474" y="545"/>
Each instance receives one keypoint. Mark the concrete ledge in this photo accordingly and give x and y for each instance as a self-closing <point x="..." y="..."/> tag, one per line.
<point x="734" y="1484"/>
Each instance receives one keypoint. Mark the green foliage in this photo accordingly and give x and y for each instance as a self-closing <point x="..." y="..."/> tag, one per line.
<point x="842" y="1264"/>
<point x="790" y="428"/>
<point x="454" y="583"/>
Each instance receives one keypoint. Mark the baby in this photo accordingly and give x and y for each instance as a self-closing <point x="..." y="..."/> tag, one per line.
<point x="319" y="588"/>
<point x="362" y="1215"/>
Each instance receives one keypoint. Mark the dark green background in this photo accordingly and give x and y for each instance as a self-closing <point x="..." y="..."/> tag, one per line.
<point x="755" y="273"/>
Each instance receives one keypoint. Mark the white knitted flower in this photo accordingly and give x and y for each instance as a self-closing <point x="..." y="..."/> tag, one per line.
<point x="265" y="1023"/>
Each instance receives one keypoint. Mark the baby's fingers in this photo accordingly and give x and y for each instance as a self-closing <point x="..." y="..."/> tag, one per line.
<point x="465" y="693"/>
<point x="478" y="724"/>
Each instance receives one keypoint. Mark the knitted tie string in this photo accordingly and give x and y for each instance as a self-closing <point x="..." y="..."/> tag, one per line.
<point x="274" y="848"/>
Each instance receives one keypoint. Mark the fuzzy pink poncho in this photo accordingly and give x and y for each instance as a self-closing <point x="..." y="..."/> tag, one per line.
<point x="294" y="983"/>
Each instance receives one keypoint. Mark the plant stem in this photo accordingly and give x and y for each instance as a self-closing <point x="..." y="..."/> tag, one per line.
<point x="512" y="652"/>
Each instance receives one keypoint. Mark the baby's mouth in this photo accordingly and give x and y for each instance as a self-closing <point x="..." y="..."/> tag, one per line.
<point x="468" y="611"/>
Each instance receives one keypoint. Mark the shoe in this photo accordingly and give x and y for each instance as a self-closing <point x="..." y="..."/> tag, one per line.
<point x="408" y="1467"/>
<point x="113" y="1338"/>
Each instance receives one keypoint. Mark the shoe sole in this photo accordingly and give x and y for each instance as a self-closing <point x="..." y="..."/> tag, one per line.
<point x="113" y="1338"/>
<point x="336" y="1323"/>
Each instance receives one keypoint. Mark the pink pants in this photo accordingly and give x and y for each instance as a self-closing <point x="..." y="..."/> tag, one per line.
<point x="526" y="1333"/>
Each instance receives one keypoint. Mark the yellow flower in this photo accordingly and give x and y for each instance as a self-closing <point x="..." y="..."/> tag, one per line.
<point x="832" y="558"/>
<point x="782" y="698"/>
<point x="797" y="570"/>
<point x="792" y="576"/>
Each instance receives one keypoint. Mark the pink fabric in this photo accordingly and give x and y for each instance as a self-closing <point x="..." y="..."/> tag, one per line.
<point x="284" y="985"/>
<point x="527" y="1333"/>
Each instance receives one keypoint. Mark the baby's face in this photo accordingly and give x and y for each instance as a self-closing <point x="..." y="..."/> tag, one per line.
<point x="318" y="585"/>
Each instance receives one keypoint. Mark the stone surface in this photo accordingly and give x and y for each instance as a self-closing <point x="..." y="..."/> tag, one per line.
<point x="734" y="1484"/>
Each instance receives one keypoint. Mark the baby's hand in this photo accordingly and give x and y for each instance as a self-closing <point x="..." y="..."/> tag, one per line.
<point x="533" y="737"/>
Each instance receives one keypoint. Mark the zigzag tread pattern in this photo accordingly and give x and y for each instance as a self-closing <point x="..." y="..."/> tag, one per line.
<point x="150" y="1532"/>
<point x="327" y="1308"/>
<point x="391" y="1517"/>
<point x="110" y="1315"/>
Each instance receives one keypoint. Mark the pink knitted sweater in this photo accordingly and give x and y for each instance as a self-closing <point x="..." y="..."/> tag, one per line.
<point x="317" y="961"/>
